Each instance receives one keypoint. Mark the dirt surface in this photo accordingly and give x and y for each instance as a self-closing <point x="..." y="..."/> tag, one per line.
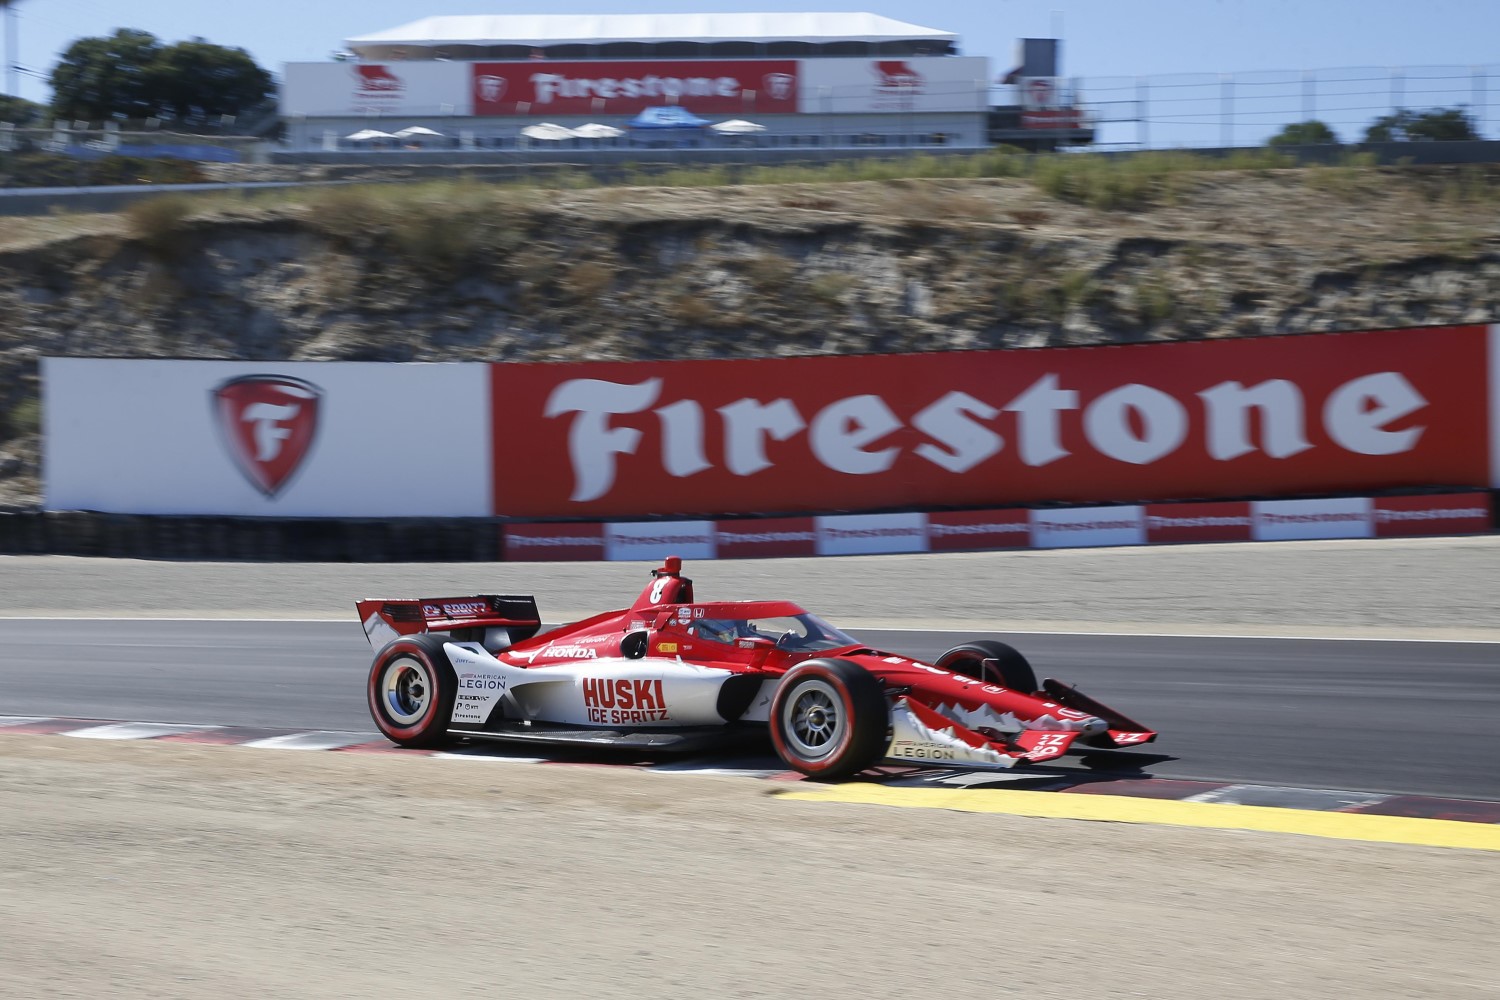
<point x="159" y="870"/>
<point x="1433" y="588"/>
<point x="166" y="871"/>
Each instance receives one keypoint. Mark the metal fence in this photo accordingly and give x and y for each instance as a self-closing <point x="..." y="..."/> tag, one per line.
<point x="80" y="139"/>
<point x="1244" y="109"/>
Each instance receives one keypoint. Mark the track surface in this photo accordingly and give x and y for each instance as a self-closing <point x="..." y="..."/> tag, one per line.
<point x="1361" y="715"/>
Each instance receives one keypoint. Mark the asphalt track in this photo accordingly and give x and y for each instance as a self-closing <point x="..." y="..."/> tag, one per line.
<point x="1366" y="715"/>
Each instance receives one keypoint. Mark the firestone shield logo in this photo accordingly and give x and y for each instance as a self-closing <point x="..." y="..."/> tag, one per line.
<point x="490" y="88"/>
<point x="894" y="74"/>
<point x="268" y="424"/>
<point x="779" y="85"/>
<point x="377" y="80"/>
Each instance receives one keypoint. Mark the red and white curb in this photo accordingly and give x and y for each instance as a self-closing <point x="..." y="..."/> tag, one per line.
<point x="1062" y="782"/>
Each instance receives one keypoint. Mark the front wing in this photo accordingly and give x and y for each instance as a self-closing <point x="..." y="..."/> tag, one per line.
<point x="921" y="735"/>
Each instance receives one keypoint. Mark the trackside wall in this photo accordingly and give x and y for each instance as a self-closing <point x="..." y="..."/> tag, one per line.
<point x="1038" y="449"/>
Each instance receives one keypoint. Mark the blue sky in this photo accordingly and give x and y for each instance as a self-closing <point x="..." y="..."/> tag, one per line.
<point x="1104" y="42"/>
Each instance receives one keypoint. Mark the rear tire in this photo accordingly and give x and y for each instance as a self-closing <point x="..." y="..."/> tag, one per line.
<point x="411" y="689"/>
<point x="830" y="719"/>
<point x="1010" y="669"/>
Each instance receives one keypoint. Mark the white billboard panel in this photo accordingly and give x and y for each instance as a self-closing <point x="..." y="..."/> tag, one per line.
<point x="341" y="89"/>
<point x="655" y="540"/>
<point x="897" y="84"/>
<point x="1336" y="517"/>
<point x="271" y="439"/>
<point x="1082" y="527"/>
<point x="871" y="534"/>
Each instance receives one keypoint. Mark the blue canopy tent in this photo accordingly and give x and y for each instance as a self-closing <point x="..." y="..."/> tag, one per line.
<point x="670" y="117"/>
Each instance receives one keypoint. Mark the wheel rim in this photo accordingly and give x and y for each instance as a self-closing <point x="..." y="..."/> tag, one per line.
<point x="405" y="689"/>
<point x="814" y="720"/>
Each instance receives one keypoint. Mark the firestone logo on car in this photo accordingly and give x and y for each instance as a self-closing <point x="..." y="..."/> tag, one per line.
<point x="268" y="424"/>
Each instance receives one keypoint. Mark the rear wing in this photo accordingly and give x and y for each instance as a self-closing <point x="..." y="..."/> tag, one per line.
<point x="385" y="619"/>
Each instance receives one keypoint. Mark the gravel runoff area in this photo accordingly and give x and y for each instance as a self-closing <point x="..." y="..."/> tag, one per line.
<point x="1435" y="588"/>
<point x="167" y="871"/>
<point x="164" y="871"/>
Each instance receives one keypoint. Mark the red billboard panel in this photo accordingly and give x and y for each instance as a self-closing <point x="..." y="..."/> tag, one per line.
<point x="1325" y="413"/>
<point x="771" y="537"/>
<point x="978" y="529"/>
<point x="546" y="88"/>
<point x="553" y="542"/>
<point x="1198" y="522"/>
<point x="1442" y="514"/>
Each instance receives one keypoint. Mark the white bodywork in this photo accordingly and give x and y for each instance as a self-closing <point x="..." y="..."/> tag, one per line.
<point x="607" y="691"/>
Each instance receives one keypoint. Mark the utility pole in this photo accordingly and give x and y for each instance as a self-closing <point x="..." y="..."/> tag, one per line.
<point x="12" y="47"/>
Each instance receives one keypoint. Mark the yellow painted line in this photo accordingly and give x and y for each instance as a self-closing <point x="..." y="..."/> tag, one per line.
<point x="1124" y="809"/>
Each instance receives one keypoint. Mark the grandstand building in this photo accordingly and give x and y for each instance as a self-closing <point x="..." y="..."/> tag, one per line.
<point x="813" y="79"/>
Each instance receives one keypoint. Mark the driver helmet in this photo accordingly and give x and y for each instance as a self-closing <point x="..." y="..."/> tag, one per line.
<point x="718" y="629"/>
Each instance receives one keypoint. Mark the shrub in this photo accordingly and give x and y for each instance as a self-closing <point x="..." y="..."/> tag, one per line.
<point x="160" y="223"/>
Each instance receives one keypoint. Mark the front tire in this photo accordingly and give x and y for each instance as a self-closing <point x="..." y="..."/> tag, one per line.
<point x="830" y="719"/>
<point x="411" y="689"/>
<point x="995" y="662"/>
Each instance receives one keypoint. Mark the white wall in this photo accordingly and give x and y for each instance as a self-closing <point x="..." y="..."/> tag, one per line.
<point x="146" y="437"/>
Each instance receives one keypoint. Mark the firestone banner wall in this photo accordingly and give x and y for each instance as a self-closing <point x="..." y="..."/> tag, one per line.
<point x="1309" y="415"/>
<point x="1332" y="413"/>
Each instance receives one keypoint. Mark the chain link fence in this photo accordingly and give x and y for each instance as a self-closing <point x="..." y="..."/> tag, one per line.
<point x="1245" y="109"/>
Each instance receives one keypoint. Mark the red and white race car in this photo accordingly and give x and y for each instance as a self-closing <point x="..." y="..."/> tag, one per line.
<point x="672" y="673"/>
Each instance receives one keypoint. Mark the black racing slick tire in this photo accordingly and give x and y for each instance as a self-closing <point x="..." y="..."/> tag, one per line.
<point x="995" y="662"/>
<point x="830" y="719"/>
<point x="411" y="690"/>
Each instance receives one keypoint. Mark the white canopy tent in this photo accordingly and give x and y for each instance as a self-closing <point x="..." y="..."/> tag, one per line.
<point x="368" y="133"/>
<point x="594" y="130"/>
<point x="412" y="130"/>
<point x="548" y="132"/>
<point x="737" y="126"/>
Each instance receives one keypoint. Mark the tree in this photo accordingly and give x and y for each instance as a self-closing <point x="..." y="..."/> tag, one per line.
<point x="130" y="74"/>
<point x="1308" y="133"/>
<point x="197" y="80"/>
<point x="19" y="111"/>
<point x="100" y="78"/>
<point x="1435" y="125"/>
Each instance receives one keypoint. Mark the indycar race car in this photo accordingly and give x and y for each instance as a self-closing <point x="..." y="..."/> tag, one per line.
<point x="672" y="673"/>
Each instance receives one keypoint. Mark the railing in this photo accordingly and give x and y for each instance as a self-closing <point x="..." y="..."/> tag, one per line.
<point x="1245" y="109"/>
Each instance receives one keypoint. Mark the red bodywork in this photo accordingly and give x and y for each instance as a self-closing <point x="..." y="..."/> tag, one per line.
<point x="663" y="623"/>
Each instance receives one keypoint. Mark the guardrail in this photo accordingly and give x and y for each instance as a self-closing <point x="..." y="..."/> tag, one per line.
<point x="249" y="539"/>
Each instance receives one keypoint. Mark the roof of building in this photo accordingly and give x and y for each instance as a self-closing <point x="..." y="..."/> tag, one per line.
<point x="602" y="29"/>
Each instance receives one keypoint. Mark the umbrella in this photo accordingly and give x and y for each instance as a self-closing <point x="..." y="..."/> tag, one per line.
<point x="416" y="130"/>
<point x="548" y="132"/>
<point x="368" y="133"/>
<point x="737" y="127"/>
<point x="593" y="130"/>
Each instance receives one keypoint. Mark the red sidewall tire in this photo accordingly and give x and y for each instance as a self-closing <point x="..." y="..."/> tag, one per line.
<point x="431" y="728"/>
<point x="862" y="700"/>
<point x="1015" y="671"/>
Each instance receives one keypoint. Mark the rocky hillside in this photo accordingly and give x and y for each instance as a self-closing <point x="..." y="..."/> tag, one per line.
<point x="469" y="271"/>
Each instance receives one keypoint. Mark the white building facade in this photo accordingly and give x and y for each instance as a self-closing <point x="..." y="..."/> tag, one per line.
<point x="809" y="79"/>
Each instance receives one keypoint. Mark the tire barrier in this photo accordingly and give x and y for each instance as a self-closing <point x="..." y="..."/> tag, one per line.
<point x="246" y="539"/>
<point x="255" y="539"/>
